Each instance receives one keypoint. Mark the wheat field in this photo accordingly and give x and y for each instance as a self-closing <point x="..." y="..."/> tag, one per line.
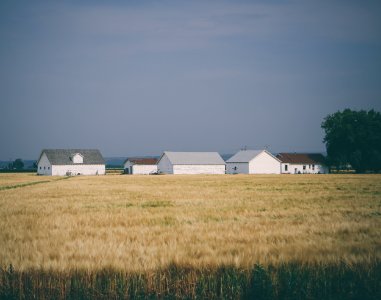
<point x="8" y="180"/>
<point x="145" y="223"/>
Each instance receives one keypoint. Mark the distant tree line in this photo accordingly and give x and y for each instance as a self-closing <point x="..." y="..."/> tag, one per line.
<point x="353" y="138"/>
<point x="17" y="164"/>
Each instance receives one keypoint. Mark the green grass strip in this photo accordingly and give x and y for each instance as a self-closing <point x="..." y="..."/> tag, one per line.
<point x="9" y="187"/>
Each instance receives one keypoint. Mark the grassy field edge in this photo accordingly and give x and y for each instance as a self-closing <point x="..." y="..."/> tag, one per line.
<point x="286" y="281"/>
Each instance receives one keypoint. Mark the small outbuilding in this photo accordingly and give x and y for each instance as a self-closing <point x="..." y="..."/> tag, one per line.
<point x="302" y="163"/>
<point x="67" y="162"/>
<point x="191" y="163"/>
<point x="142" y="166"/>
<point x="253" y="162"/>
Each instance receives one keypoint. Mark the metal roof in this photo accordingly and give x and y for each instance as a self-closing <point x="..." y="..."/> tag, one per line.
<point x="142" y="160"/>
<point x="301" y="158"/>
<point x="64" y="156"/>
<point x="194" y="158"/>
<point x="244" y="156"/>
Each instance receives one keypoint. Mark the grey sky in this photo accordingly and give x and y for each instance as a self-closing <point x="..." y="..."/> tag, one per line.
<point x="140" y="77"/>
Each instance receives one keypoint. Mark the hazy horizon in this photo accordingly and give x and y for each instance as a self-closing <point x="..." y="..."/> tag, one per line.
<point x="135" y="78"/>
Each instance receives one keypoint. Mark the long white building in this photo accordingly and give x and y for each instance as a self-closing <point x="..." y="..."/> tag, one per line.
<point x="141" y="166"/>
<point x="67" y="162"/>
<point x="253" y="162"/>
<point x="302" y="163"/>
<point x="191" y="163"/>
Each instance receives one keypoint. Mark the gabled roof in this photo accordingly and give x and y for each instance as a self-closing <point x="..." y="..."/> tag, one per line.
<point x="245" y="156"/>
<point x="301" y="158"/>
<point x="194" y="158"/>
<point x="64" y="156"/>
<point x="142" y="160"/>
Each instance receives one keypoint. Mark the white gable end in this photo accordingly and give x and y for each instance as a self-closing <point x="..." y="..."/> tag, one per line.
<point x="77" y="158"/>
<point x="264" y="163"/>
<point x="44" y="166"/>
<point x="253" y="162"/>
<point x="164" y="165"/>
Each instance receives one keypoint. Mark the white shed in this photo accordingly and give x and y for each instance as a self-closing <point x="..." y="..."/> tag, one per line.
<point x="191" y="163"/>
<point x="64" y="162"/>
<point x="253" y="162"/>
<point x="303" y="163"/>
<point x="143" y="166"/>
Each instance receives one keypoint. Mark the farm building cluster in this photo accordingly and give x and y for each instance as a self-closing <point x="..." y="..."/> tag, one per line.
<point x="68" y="162"/>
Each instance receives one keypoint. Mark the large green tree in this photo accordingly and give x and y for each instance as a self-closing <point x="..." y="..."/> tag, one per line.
<point x="18" y="164"/>
<point x="353" y="137"/>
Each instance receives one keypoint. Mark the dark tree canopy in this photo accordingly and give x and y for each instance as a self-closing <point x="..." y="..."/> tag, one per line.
<point x="18" y="164"/>
<point x="353" y="137"/>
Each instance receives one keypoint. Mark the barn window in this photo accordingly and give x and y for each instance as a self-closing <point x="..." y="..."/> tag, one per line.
<point x="40" y="167"/>
<point x="313" y="167"/>
<point x="48" y="168"/>
<point x="286" y="167"/>
<point x="304" y="167"/>
<point x="44" y="168"/>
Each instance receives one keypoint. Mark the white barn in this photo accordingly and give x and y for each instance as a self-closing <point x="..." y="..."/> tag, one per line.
<point x="65" y="162"/>
<point x="191" y="163"/>
<point x="142" y="166"/>
<point x="302" y="163"/>
<point x="253" y="162"/>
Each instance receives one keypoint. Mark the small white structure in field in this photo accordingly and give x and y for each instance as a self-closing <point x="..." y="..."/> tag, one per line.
<point x="191" y="163"/>
<point x="143" y="166"/>
<point x="67" y="162"/>
<point x="253" y="162"/>
<point x="302" y="163"/>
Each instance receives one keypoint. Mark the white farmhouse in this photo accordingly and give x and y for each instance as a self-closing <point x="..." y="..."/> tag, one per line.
<point x="253" y="162"/>
<point x="191" y="163"/>
<point x="302" y="163"/>
<point x="143" y="166"/>
<point x="64" y="162"/>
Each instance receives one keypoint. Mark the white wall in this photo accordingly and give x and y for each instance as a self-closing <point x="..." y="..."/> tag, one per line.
<point x="237" y="168"/>
<point x="296" y="168"/>
<point x="44" y="167"/>
<point x="264" y="163"/>
<point x="139" y="169"/>
<point x="164" y="165"/>
<point x="81" y="169"/>
<point x="144" y="169"/>
<point x="199" y="169"/>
